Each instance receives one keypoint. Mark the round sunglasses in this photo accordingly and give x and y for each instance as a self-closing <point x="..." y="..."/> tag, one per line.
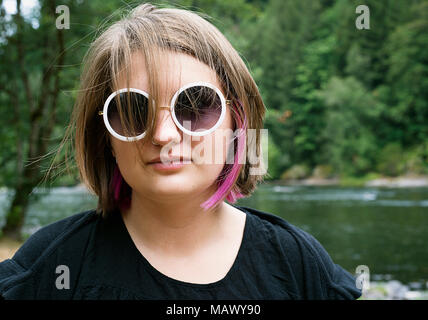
<point x="197" y="109"/>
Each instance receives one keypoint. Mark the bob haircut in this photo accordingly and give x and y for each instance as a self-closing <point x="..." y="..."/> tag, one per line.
<point x="149" y="30"/>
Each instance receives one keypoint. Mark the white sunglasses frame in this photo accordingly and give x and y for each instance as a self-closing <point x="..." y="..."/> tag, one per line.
<point x="224" y="102"/>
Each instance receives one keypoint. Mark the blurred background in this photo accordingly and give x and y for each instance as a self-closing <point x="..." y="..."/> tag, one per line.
<point x="347" y="114"/>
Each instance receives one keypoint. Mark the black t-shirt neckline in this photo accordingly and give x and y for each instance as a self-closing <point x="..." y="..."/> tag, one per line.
<point x="163" y="277"/>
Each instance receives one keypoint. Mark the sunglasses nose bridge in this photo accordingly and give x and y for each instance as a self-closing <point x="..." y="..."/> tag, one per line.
<point x="162" y="115"/>
<point x="165" y="127"/>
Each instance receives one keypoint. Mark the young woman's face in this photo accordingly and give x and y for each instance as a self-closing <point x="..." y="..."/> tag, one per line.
<point x="196" y="176"/>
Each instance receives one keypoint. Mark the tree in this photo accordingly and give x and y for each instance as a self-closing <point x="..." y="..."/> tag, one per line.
<point x="40" y="65"/>
<point x="283" y="31"/>
<point x="34" y="112"/>
<point x="406" y="83"/>
<point x="350" y="139"/>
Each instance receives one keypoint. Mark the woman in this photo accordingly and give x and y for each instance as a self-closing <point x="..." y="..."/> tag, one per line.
<point x="163" y="93"/>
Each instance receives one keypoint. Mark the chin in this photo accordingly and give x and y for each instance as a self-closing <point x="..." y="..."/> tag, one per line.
<point x="173" y="184"/>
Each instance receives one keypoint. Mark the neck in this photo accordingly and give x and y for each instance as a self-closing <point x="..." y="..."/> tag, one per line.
<point x="172" y="224"/>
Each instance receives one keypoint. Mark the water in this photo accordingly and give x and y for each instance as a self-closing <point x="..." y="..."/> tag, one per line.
<point x="382" y="228"/>
<point x="50" y="206"/>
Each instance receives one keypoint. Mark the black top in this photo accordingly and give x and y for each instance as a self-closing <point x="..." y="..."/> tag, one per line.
<point x="276" y="260"/>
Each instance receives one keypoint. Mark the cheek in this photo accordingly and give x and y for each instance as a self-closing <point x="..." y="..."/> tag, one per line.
<point x="215" y="149"/>
<point x="126" y="156"/>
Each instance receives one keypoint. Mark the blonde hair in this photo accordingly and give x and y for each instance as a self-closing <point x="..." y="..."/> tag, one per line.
<point x="150" y="30"/>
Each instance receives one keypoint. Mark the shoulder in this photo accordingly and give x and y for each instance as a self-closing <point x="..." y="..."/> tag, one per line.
<point x="319" y="276"/>
<point x="51" y="236"/>
<point x="278" y="231"/>
<point x="62" y="238"/>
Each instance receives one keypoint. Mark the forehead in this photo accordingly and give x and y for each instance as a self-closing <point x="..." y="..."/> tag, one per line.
<point x="174" y="71"/>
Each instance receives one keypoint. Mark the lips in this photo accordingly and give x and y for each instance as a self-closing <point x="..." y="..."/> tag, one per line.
<point x="170" y="160"/>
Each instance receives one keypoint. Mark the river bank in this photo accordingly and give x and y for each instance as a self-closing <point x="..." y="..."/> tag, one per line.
<point x="408" y="181"/>
<point x="392" y="290"/>
<point x="8" y="247"/>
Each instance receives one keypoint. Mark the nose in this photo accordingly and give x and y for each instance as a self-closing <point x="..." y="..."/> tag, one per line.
<point x="165" y="128"/>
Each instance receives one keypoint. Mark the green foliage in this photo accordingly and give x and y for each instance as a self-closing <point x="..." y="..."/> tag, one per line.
<point x="407" y="77"/>
<point x="360" y="181"/>
<point x="350" y="112"/>
<point x="15" y="215"/>
<point x="277" y="44"/>
<point x="298" y="171"/>
<point x="274" y="160"/>
<point x="350" y="92"/>
<point x="390" y="160"/>
<point x="416" y="160"/>
<point x="323" y="171"/>
<point x="394" y="161"/>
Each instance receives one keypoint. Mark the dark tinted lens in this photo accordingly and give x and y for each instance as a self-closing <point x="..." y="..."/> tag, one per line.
<point x="134" y="108"/>
<point x="200" y="105"/>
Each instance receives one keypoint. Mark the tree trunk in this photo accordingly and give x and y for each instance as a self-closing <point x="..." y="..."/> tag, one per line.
<point x="16" y="214"/>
